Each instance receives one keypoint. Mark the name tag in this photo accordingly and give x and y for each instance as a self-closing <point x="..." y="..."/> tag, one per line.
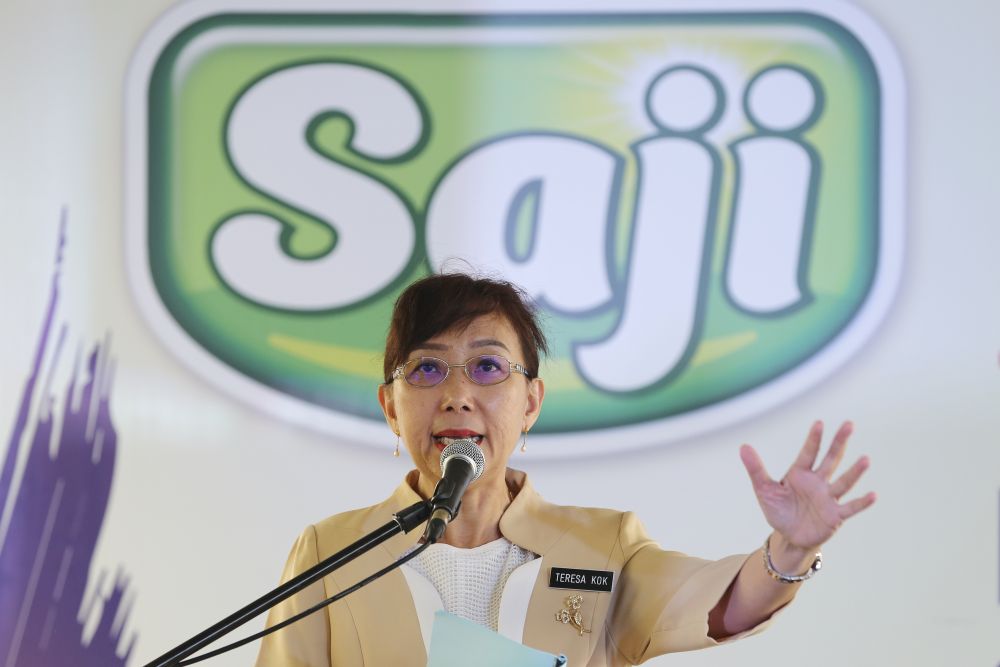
<point x="583" y="580"/>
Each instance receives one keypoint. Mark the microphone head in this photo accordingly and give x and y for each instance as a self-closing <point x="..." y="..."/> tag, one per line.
<point x="467" y="449"/>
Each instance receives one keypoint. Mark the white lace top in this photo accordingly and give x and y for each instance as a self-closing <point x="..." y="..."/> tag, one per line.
<point x="470" y="581"/>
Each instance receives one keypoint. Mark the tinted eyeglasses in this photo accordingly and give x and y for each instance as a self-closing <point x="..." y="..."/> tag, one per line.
<point x="485" y="369"/>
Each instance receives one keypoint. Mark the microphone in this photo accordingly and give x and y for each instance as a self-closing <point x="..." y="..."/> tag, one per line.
<point x="462" y="462"/>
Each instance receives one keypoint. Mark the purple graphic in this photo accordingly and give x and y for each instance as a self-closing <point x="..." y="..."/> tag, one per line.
<point x="51" y="518"/>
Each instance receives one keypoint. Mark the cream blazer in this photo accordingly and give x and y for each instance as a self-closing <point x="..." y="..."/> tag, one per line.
<point x="659" y="602"/>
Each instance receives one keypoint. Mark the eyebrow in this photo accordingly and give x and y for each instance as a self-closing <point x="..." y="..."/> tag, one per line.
<point x="483" y="342"/>
<point x="489" y="342"/>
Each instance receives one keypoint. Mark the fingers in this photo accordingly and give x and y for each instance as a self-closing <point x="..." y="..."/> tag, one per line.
<point x="849" y="509"/>
<point x="836" y="451"/>
<point x="755" y="467"/>
<point x="807" y="455"/>
<point x="846" y="482"/>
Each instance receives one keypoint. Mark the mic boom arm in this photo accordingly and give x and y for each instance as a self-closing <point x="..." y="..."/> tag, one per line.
<point x="402" y="522"/>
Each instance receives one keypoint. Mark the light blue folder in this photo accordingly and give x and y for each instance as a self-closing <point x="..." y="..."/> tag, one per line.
<point x="456" y="642"/>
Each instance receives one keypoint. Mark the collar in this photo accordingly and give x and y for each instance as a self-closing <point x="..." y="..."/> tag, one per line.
<point x="530" y="522"/>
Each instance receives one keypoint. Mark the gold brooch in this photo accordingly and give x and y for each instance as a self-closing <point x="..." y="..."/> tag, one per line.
<point x="570" y="614"/>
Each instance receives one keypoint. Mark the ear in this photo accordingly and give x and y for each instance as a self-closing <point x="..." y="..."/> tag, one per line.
<point x="388" y="407"/>
<point x="533" y="407"/>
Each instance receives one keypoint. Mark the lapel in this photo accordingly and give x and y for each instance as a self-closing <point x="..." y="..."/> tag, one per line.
<point x="383" y="611"/>
<point x="563" y="537"/>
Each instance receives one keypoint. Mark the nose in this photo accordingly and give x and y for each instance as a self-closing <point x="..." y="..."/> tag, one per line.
<point x="457" y="392"/>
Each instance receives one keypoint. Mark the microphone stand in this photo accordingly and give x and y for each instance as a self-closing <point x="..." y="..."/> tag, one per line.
<point x="402" y="522"/>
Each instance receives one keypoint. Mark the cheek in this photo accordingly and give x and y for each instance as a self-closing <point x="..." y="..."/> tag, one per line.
<point x="413" y="409"/>
<point x="508" y="411"/>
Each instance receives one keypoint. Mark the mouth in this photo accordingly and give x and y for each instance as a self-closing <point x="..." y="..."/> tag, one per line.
<point x="445" y="438"/>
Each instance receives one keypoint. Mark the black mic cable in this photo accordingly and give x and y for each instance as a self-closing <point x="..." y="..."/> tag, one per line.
<point x="288" y="621"/>
<point x="462" y="462"/>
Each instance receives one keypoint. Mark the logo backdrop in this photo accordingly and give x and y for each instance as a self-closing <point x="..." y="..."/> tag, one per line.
<point x="699" y="201"/>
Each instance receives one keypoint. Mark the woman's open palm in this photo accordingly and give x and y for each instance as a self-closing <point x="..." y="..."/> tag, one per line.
<point x="804" y="506"/>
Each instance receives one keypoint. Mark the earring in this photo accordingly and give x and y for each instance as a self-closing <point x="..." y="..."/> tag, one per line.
<point x="524" y="440"/>
<point x="396" y="453"/>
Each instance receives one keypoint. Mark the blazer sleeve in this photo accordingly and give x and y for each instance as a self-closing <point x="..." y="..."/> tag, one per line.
<point x="308" y="642"/>
<point x="664" y="597"/>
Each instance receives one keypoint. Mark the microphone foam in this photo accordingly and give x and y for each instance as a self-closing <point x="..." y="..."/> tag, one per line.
<point x="468" y="449"/>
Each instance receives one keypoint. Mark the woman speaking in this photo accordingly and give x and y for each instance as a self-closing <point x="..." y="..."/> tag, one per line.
<point x="461" y="363"/>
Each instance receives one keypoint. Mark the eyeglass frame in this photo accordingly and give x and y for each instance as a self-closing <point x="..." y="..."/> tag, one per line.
<point x="512" y="365"/>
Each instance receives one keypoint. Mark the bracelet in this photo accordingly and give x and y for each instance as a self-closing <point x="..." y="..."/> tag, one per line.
<point x="817" y="564"/>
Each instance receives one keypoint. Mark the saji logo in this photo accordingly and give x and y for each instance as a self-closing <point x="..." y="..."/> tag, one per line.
<point x="708" y="204"/>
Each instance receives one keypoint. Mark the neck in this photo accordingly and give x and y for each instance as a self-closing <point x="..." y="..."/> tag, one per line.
<point x="478" y="520"/>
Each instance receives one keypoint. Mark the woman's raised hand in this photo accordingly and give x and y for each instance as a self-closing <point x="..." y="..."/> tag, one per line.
<point x="804" y="506"/>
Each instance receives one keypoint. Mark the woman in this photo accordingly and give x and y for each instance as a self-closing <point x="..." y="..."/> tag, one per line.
<point x="461" y="361"/>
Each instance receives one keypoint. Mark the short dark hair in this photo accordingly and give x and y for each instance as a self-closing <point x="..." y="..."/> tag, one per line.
<point x="443" y="302"/>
